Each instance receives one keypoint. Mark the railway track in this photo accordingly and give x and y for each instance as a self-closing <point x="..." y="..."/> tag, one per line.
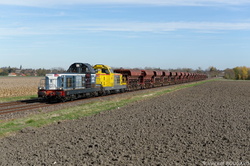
<point x="17" y="106"/>
<point x="27" y="105"/>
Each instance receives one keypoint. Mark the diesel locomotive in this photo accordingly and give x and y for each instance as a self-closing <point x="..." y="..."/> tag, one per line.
<point x="83" y="80"/>
<point x="80" y="80"/>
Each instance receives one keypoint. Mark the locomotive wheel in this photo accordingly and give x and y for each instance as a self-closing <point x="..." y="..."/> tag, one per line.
<point x="101" y="93"/>
<point x="96" y="94"/>
<point x="63" y="100"/>
<point x="107" y="92"/>
<point x="72" y="97"/>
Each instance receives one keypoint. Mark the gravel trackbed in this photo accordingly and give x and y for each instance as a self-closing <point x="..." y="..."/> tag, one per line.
<point x="208" y="124"/>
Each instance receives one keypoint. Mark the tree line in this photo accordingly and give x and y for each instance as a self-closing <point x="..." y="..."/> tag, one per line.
<point x="5" y="71"/>
<point x="211" y="71"/>
<point x="238" y="73"/>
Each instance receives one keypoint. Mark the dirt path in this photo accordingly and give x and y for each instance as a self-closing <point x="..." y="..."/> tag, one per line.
<point x="203" y="125"/>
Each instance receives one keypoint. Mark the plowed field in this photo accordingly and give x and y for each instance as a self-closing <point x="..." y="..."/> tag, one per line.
<point x="203" y="125"/>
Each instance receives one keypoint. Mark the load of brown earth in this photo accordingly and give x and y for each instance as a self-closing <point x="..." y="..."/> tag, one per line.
<point x="202" y="125"/>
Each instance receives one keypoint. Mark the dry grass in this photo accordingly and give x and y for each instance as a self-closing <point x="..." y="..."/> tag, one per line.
<point x="18" y="86"/>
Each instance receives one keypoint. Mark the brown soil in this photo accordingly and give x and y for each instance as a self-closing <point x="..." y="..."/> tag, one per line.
<point x="203" y="125"/>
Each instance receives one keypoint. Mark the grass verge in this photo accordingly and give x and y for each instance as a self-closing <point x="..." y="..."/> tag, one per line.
<point x="9" y="99"/>
<point x="42" y="119"/>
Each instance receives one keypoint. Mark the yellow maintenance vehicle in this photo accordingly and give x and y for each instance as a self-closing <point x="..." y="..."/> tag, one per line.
<point x="110" y="82"/>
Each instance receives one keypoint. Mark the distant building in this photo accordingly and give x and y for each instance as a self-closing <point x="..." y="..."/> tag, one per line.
<point x="18" y="71"/>
<point x="12" y="74"/>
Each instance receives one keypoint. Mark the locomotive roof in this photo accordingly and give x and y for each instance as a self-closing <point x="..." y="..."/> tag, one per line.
<point x="81" y="68"/>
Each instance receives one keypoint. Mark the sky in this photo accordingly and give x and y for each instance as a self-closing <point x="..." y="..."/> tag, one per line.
<point x="165" y="34"/>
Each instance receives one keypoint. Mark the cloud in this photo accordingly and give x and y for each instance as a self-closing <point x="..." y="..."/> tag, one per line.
<point x="26" y="31"/>
<point x="138" y="27"/>
<point x="45" y="3"/>
<point x="161" y="27"/>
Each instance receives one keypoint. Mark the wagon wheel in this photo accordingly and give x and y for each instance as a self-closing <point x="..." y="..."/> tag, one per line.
<point x="122" y="90"/>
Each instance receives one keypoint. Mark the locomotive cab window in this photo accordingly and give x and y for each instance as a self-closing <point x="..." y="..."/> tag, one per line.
<point x="85" y="69"/>
<point x="105" y="71"/>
